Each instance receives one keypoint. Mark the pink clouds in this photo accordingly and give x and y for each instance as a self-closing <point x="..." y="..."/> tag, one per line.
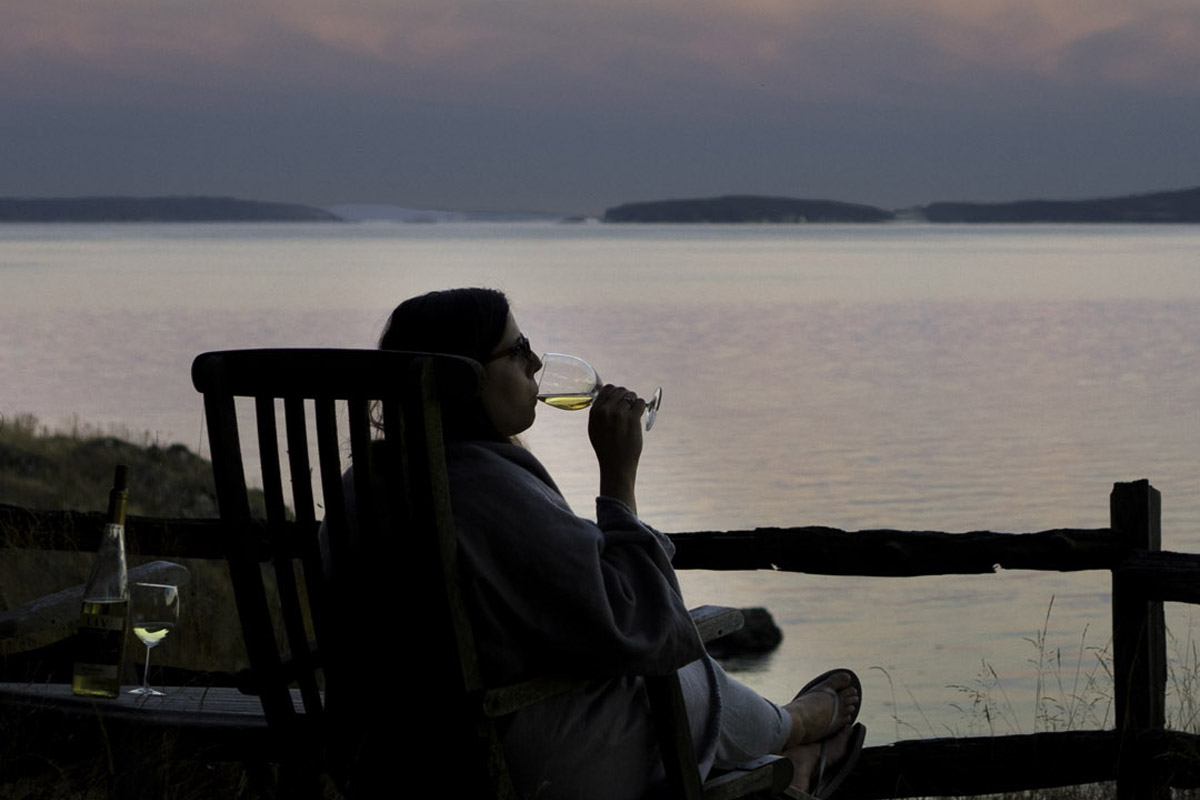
<point x="844" y="45"/>
<point x="656" y="56"/>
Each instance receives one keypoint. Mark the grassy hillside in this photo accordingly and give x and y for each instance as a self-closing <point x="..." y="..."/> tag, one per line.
<point x="42" y="468"/>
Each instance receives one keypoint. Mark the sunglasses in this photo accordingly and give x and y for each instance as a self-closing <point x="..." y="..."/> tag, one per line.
<point x="520" y="348"/>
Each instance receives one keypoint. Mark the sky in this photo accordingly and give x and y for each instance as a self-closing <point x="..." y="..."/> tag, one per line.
<point x="573" y="106"/>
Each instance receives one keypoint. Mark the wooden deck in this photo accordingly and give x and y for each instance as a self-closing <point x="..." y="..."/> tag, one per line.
<point x="181" y="705"/>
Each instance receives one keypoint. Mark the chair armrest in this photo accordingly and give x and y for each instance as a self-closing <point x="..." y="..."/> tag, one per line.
<point x="767" y="776"/>
<point x="713" y="622"/>
<point x="507" y="699"/>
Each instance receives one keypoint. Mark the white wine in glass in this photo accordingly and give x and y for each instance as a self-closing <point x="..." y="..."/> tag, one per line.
<point x="154" y="610"/>
<point x="570" y="383"/>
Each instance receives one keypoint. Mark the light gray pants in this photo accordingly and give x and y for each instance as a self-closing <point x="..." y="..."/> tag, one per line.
<point x="751" y="725"/>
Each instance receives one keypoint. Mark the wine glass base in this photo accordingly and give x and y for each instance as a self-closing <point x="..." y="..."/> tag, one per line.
<point x="652" y="408"/>
<point x="146" y="690"/>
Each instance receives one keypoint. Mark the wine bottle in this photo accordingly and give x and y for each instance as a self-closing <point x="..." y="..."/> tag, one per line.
<point x="100" y="657"/>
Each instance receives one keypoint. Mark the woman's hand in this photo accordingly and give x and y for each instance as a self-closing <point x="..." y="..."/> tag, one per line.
<point x="615" y="428"/>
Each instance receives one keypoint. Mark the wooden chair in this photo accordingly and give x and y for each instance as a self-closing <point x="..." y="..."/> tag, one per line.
<point x="333" y="610"/>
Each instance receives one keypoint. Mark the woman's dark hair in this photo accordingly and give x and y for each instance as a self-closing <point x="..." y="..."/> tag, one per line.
<point x="461" y="322"/>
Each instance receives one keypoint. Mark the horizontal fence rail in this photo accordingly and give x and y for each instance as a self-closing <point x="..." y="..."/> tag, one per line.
<point x="811" y="550"/>
<point x="1142" y="756"/>
<point x="887" y="553"/>
<point x="80" y="531"/>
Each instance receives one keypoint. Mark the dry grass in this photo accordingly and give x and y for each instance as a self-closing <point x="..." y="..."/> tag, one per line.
<point x="1073" y="691"/>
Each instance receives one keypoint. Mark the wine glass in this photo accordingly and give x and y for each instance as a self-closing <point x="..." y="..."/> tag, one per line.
<point x="154" y="610"/>
<point x="570" y="383"/>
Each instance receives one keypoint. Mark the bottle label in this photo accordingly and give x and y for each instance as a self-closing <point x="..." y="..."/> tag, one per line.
<point x="101" y="649"/>
<point x="101" y="622"/>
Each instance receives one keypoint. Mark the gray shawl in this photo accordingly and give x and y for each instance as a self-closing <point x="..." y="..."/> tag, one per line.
<point x="554" y="593"/>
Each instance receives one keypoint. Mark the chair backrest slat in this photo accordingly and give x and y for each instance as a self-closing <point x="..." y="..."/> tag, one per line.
<point x="296" y="431"/>
<point x="309" y="548"/>
<point x="329" y="462"/>
<point x="400" y="502"/>
<point x="268" y="458"/>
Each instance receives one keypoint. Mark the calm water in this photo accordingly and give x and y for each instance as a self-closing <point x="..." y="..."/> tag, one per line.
<point x="915" y="377"/>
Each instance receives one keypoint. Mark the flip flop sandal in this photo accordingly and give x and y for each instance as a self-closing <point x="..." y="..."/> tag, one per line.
<point x="828" y="784"/>
<point x="814" y="686"/>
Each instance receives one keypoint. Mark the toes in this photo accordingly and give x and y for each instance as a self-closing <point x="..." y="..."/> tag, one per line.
<point x="838" y="681"/>
<point x="824" y="707"/>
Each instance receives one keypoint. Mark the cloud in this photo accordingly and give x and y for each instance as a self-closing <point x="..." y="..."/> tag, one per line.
<point x="1162" y="51"/>
<point x="665" y="54"/>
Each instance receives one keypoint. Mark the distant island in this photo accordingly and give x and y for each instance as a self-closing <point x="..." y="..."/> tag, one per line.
<point x="1174" y="206"/>
<point x="746" y="208"/>
<point x="1178" y="206"/>
<point x="156" y="209"/>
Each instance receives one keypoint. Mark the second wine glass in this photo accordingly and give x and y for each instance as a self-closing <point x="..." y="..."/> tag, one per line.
<point x="570" y="383"/>
<point x="154" y="610"/>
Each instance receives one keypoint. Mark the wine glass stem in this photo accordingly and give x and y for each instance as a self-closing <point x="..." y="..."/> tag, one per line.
<point x="146" y="674"/>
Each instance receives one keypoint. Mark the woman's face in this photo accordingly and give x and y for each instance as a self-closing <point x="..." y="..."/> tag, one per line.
<point x="510" y="392"/>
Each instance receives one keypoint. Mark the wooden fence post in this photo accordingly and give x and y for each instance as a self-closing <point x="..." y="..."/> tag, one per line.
<point x="1139" y="646"/>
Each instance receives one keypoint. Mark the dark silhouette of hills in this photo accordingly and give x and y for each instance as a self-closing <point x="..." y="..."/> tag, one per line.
<point x="1155" y="207"/>
<point x="1172" y="206"/>
<point x="1177" y="206"/>
<point x="155" y="209"/>
<point x="746" y="208"/>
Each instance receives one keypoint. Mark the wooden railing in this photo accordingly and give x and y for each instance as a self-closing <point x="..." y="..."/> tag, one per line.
<point x="1140" y="754"/>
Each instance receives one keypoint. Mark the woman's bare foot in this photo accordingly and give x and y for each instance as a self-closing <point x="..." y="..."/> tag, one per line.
<point x="812" y="712"/>
<point x="806" y="758"/>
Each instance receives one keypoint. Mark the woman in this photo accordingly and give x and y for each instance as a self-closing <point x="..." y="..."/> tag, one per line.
<point x="551" y="592"/>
